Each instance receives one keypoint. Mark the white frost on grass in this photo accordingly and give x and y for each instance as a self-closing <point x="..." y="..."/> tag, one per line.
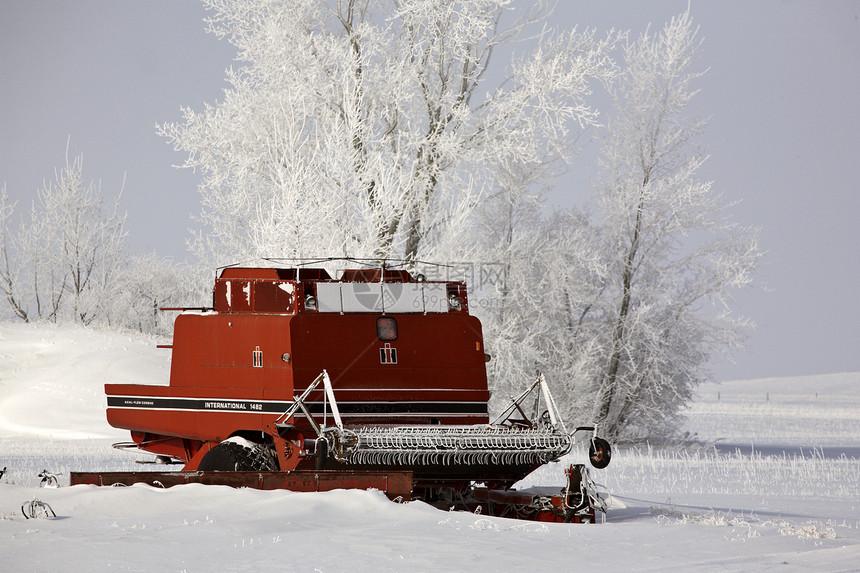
<point x="819" y="411"/>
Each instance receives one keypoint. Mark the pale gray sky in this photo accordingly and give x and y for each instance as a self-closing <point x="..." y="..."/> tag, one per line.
<point x="782" y="92"/>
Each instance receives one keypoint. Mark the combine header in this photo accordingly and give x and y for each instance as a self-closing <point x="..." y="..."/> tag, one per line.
<point x="377" y="380"/>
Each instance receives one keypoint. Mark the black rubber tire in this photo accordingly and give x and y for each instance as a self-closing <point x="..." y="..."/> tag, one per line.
<point x="599" y="453"/>
<point x="235" y="457"/>
<point x="322" y="454"/>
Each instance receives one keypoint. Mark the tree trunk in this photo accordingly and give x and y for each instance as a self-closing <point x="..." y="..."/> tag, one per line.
<point x="609" y="387"/>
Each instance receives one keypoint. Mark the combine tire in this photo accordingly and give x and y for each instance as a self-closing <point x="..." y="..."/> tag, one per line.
<point x="599" y="453"/>
<point x="239" y="456"/>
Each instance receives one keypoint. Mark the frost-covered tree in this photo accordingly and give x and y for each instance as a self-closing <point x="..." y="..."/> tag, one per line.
<point x="511" y="245"/>
<point x="373" y="128"/>
<point x="380" y="129"/>
<point x="535" y="318"/>
<point x="61" y="261"/>
<point x="147" y="283"/>
<point x="622" y="304"/>
<point x="9" y="270"/>
<point x="672" y="254"/>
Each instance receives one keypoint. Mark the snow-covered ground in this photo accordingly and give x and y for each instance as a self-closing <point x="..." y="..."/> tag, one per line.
<point x="781" y="488"/>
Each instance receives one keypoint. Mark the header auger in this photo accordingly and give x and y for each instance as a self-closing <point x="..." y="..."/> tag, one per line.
<point x="374" y="376"/>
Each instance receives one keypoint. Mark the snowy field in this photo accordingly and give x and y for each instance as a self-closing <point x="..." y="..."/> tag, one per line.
<point x="771" y="480"/>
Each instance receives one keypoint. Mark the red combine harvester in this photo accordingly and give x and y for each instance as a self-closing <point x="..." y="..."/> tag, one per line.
<point x="375" y="380"/>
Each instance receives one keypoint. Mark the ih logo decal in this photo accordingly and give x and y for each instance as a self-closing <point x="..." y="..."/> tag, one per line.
<point x="258" y="358"/>
<point x="387" y="354"/>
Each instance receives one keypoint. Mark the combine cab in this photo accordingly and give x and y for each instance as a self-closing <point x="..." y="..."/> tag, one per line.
<point x="373" y="374"/>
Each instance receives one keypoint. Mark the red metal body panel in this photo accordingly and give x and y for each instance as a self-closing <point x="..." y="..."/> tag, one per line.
<point x="440" y="360"/>
<point x="236" y="368"/>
